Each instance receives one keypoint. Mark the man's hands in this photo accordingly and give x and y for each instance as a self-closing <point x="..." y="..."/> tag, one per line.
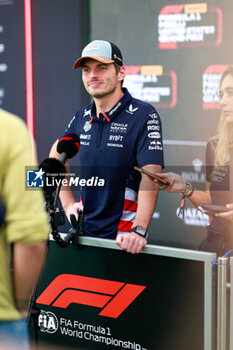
<point x="131" y="242"/>
<point x="73" y="209"/>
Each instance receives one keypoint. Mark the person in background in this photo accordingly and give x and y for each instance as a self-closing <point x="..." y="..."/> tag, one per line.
<point x="117" y="132"/>
<point x="219" y="179"/>
<point x="23" y="230"/>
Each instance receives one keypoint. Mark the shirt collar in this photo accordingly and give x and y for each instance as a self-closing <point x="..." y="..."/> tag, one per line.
<point x="115" y="110"/>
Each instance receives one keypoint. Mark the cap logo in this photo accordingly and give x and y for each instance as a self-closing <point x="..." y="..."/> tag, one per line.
<point x="92" y="48"/>
<point x="101" y="58"/>
<point x="116" y="57"/>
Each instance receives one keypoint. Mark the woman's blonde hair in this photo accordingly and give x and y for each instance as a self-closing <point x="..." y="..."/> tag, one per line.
<point x="225" y="134"/>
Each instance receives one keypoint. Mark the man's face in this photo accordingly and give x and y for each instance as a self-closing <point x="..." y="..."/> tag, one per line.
<point x="100" y="79"/>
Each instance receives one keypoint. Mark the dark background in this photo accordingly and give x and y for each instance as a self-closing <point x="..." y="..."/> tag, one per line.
<point x="59" y="31"/>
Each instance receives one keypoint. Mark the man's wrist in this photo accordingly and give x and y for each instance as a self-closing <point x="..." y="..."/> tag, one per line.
<point x="140" y="230"/>
<point x="67" y="205"/>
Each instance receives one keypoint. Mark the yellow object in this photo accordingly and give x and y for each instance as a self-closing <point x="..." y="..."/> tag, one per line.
<point x="25" y="221"/>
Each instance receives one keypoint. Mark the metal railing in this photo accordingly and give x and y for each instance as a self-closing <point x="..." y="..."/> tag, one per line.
<point x="225" y="304"/>
<point x="222" y="304"/>
<point x="231" y="304"/>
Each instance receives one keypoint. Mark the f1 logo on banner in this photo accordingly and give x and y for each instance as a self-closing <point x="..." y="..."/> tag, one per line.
<point x="113" y="297"/>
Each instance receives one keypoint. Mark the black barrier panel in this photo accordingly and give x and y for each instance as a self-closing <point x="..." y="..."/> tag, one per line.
<point x="106" y="298"/>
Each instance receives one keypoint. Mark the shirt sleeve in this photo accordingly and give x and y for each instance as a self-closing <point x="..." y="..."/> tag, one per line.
<point x="150" y="143"/>
<point x="71" y="128"/>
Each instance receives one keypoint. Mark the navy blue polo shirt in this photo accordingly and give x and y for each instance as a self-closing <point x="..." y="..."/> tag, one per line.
<point x="110" y="146"/>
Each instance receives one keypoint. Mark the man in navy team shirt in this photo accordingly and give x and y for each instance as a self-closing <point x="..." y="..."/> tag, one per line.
<point x="117" y="132"/>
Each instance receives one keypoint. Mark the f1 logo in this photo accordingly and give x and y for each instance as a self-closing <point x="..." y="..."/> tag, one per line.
<point x="113" y="297"/>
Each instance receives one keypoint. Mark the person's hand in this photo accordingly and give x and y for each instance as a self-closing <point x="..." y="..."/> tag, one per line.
<point x="131" y="242"/>
<point x="73" y="209"/>
<point x="176" y="182"/>
<point x="228" y="215"/>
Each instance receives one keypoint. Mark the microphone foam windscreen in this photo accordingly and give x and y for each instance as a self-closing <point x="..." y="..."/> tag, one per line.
<point x="54" y="171"/>
<point x="69" y="144"/>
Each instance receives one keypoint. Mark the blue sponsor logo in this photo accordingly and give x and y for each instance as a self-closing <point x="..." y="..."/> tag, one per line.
<point x="35" y="178"/>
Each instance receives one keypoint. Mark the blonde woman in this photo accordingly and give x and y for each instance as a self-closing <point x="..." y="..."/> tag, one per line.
<point x="219" y="179"/>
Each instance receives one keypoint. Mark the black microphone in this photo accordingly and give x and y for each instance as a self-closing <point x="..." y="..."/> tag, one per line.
<point x="68" y="146"/>
<point x="54" y="173"/>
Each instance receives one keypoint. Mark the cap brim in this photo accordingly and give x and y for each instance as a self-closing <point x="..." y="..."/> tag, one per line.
<point x="79" y="62"/>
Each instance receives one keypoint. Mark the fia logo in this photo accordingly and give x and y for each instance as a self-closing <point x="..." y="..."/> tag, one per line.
<point x="131" y="110"/>
<point x="47" y="322"/>
<point x="35" y="178"/>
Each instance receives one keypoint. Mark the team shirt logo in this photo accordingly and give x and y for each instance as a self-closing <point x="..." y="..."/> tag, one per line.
<point x="87" y="126"/>
<point x="131" y="110"/>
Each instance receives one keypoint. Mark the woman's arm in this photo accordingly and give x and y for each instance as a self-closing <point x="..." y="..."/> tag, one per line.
<point x="178" y="184"/>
